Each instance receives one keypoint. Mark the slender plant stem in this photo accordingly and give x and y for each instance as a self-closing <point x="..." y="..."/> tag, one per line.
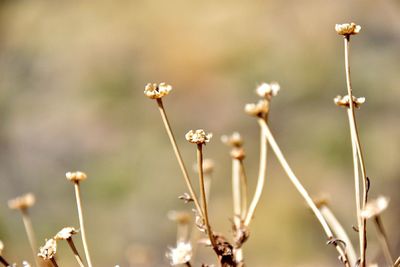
<point x="383" y="240"/>
<point x="236" y="192"/>
<point x="340" y="233"/>
<point x="260" y="180"/>
<point x="300" y="188"/>
<point x="30" y="233"/>
<point x="188" y="264"/>
<point x="203" y="195"/>
<point x="397" y="263"/>
<point x="356" y="140"/>
<point x="4" y="262"/>
<point x="243" y="181"/>
<point x="82" y="224"/>
<point x="54" y="262"/>
<point x="75" y="251"/>
<point x="178" y="155"/>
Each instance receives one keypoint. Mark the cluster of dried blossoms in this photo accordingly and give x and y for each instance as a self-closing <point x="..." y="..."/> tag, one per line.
<point x="45" y="256"/>
<point x="229" y="251"/>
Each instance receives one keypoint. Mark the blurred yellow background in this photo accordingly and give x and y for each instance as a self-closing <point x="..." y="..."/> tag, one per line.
<point x="72" y="76"/>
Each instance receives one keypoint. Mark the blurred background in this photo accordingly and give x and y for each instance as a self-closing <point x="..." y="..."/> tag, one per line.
<point x="72" y="76"/>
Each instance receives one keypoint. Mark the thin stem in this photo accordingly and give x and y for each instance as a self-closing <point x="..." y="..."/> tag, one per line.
<point x="243" y="181"/>
<point x="81" y="223"/>
<point x="75" y="251"/>
<point x="53" y="261"/>
<point x="300" y="188"/>
<point x="340" y="233"/>
<point x="397" y="263"/>
<point x="236" y="192"/>
<point x="260" y="180"/>
<point x="203" y="195"/>
<point x="188" y="264"/>
<point x="178" y="155"/>
<point x="383" y="240"/>
<point x="3" y="261"/>
<point x="30" y="233"/>
<point x="356" y="139"/>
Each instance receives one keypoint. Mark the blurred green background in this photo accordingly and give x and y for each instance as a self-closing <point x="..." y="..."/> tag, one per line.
<point x="72" y="76"/>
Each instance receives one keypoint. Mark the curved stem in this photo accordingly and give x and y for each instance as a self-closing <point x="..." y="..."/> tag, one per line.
<point x="356" y="140"/>
<point x="30" y="233"/>
<point x="300" y="188"/>
<point x="81" y="223"/>
<point x="53" y="261"/>
<point x="178" y="155"/>
<point x="243" y="181"/>
<point x="75" y="251"/>
<point x="340" y="233"/>
<point x="4" y="262"/>
<point x="261" y="178"/>
<point x="383" y="240"/>
<point x="236" y="192"/>
<point x="203" y="195"/>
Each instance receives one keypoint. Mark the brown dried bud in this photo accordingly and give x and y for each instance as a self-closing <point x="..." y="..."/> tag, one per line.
<point x="22" y="203"/>
<point x="343" y="101"/>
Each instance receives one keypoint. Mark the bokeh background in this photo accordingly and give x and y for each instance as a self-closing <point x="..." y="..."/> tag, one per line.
<point x="72" y="75"/>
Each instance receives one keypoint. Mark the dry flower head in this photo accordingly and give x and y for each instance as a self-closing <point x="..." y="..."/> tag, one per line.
<point x="181" y="254"/>
<point x="65" y="233"/>
<point x="76" y="177"/>
<point x="375" y="207"/>
<point x="268" y="90"/>
<point x="257" y="109"/>
<point x="238" y="153"/>
<point x="234" y="139"/>
<point x="343" y="101"/>
<point x="22" y="203"/>
<point x="48" y="251"/>
<point x="1" y="247"/>
<point x="198" y="136"/>
<point x="347" y="29"/>
<point x="181" y="217"/>
<point x="155" y="91"/>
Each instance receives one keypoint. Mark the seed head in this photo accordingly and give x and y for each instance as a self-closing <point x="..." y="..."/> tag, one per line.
<point x="375" y="207"/>
<point x="258" y="109"/>
<point x="22" y="203"/>
<point x="76" y="177"/>
<point x="268" y="90"/>
<point x="347" y="29"/>
<point x="181" y="254"/>
<point x="234" y="139"/>
<point x="343" y="101"/>
<point x="181" y="217"/>
<point x="198" y="137"/>
<point x="48" y="251"/>
<point x="155" y="91"/>
<point x="65" y="233"/>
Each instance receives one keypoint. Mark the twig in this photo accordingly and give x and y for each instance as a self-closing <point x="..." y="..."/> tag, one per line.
<point x="178" y="155"/>
<point x="356" y="144"/>
<point x="300" y="188"/>
<point x="75" y="251"/>
<point x="383" y="240"/>
<point x="30" y="233"/>
<point x="81" y="223"/>
<point x="3" y="261"/>
<point x="54" y="262"/>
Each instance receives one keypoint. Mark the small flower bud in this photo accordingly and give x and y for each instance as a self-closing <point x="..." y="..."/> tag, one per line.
<point x="155" y="91"/>
<point x="343" y="101"/>
<point x="375" y="207"/>
<point x="198" y="137"/>
<point x="22" y="203"/>
<point x="347" y="29"/>
<point x="258" y="109"/>
<point x="65" y="233"/>
<point x="48" y="251"/>
<point x="76" y="177"/>
<point x="268" y="90"/>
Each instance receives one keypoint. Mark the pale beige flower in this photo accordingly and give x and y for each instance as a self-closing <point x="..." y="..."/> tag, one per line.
<point x="1" y="247"/>
<point x="48" y="251"/>
<point x="347" y="28"/>
<point x="65" y="233"/>
<point x="234" y="139"/>
<point x="154" y="91"/>
<point x="181" y="254"/>
<point x="198" y="137"/>
<point x="76" y="176"/>
<point x="25" y="264"/>
<point x="343" y="101"/>
<point x="181" y="217"/>
<point x="257" y="109"/>
<point x="22" y="203"/>
<point x="267" y="90"/>
<point x="375" y="207"/>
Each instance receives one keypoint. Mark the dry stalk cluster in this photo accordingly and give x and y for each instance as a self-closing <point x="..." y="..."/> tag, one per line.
<point x="191" y="232"/>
